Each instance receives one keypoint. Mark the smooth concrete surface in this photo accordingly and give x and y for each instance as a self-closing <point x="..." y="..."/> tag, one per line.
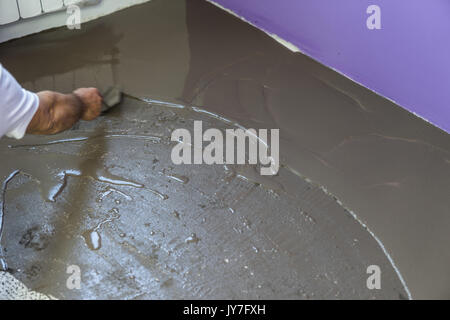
<point x="403" y="59"/>
<point x="363" y="181"/>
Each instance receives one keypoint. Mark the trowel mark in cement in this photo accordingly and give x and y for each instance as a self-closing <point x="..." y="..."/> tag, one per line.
<point x="52" y="171"/>
<point x="159" y="194"/>
<point x="86" y="138"/>
<point x="250" y="173"/>
<point x="51" y="174"/>
<point x="3" y="264"/>
<point x="93" y="237"/>
<point x="52" y="181"/>
<point x="178" y="178"/>
<point x="111" y="190"/>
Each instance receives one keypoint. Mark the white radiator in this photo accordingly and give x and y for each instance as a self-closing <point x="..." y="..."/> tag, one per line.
<point x="15" y="10"/>
<point x="23" y="17"/>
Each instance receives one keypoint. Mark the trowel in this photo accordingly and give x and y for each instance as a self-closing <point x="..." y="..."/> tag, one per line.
<point x="111" y="98"/>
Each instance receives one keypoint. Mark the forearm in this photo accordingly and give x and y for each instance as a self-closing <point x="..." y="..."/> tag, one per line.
<point x="57" y="112"/>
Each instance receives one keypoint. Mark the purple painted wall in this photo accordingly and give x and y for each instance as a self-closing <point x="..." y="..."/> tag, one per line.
<point x="408" y="60"/>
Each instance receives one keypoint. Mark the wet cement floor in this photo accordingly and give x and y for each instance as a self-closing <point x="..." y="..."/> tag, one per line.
<point x="105" y="196"/>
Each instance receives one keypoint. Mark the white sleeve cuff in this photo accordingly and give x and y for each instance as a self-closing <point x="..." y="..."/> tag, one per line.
<point x="17" y="106"/>
<point x="26" y="116"/>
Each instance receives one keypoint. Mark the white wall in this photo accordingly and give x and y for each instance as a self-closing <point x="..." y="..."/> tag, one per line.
<point x="29" y="20"/>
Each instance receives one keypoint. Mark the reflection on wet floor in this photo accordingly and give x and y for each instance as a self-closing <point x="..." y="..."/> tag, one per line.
<point x="166" y="234"/>
<point x="282" y="236"/>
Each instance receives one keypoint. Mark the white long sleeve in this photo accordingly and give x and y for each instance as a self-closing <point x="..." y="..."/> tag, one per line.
<point x="17" y="106"/>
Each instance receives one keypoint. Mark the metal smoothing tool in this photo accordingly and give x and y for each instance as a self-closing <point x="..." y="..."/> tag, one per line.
<point x="111" y="98"/>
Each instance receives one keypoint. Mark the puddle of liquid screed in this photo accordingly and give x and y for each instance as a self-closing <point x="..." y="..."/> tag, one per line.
<point x="384" y="164"/>
<point x="198" y="207"/>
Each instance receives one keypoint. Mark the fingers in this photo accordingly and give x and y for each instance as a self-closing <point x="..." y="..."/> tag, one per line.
<point x="92" y="100"/>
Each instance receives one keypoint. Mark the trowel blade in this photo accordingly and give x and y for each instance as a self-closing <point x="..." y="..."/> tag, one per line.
<point x="111" y="98"/>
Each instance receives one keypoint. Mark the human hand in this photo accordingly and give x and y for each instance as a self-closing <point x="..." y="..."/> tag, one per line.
<point x="92" y="102"/>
